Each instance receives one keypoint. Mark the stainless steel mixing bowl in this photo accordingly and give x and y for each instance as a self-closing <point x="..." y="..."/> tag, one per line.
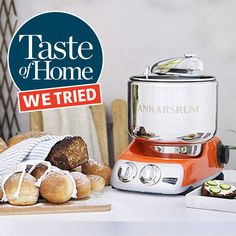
<point x="172" y="103"/>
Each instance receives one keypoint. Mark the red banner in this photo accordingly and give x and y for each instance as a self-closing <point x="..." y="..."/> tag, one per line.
<point x="59" y="97"/>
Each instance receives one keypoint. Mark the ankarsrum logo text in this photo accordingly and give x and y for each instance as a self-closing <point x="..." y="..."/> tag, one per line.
<point x="55" y="60"/>
<point x="162" y="109"/>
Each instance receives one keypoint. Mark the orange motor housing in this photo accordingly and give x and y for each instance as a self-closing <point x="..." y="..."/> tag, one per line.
<point x="195" y="169"/>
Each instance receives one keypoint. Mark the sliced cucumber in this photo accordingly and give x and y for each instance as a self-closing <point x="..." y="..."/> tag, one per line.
<point x="225" y="186"/>
<point x="211" y="183"/>
<point x="215" y="190"/>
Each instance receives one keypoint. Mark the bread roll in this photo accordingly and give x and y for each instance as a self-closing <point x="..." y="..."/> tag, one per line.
<point x="83" y="185"/>
<point x="68" y="153"/>
<point x="93" y="167"/>
<point x="21" y="137"/>
<point x="28" y="192"/>
<point x="39" y="171"/>
<point x="57" y="187"/>
<point x="97" y="183"/>
<point x="3" y="146"/>
<point x="1" y="193"/>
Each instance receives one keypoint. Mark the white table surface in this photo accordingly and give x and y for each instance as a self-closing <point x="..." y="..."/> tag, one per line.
<point x="131" y="214"/>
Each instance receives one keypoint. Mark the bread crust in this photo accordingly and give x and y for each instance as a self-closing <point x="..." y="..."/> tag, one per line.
<point x="3" y="146"/>
<point x="97" y="183"/>
<point x="56" y="188"/>
<point x="83" y="185"/>
<point x="21" y="137"/>
<point x="68" y="153"/>
<point x="93" y="167"/>
<point x="29" y="193"/>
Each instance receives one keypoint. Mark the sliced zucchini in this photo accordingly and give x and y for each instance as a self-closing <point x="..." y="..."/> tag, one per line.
<point x="211" y="183"/>
<point x="225" y="186"/>
<point x="215" y="190"/>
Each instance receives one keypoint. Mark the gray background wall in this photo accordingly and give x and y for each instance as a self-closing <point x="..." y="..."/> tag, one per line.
<point x="136" y="33"/>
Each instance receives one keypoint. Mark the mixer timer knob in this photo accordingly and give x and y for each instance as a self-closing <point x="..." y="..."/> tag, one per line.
<point x="222" y="153"/>
<point x="150" y="174"/>
<point x="127" y="172"/>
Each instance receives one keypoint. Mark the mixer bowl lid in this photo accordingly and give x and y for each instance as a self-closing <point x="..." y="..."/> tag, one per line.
<point x="179" y="69"/>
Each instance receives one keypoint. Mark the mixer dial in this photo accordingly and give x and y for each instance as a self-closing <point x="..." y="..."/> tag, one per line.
<point x="127" y="172"/>
<point x="150" y="174"/>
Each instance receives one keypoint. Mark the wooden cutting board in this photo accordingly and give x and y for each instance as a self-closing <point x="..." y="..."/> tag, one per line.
<point x="92" y="204"/>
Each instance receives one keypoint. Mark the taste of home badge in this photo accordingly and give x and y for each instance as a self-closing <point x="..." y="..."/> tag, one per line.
<point x="55" y="59"/>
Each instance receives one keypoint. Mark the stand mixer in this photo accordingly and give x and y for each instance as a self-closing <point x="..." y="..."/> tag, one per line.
<point x="173" y="120"/>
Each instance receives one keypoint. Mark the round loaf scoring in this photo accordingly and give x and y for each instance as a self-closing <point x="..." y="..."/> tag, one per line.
<point x="57" y="187"/>
<point x="69" y="153"/>
<point x="83" y="185"/>
<point x="29" y="193"/>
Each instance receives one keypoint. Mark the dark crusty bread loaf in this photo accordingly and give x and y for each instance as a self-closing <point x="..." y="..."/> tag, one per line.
<point x="3" y="146"/>
<point x="21" y="137"/>
<point x="68" y="153"/>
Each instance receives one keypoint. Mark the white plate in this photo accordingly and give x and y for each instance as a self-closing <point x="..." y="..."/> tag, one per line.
<point x="195" y="200"/>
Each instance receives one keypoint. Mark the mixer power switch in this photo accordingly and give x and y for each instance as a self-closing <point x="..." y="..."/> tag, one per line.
<point x="127" y="172"/>
<point x="150" y="174"/>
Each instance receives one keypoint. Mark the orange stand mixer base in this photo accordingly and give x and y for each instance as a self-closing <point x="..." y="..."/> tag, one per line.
<point x="139" y="168"/>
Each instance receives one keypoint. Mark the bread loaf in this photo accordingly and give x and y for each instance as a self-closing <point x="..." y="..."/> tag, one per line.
<point x="3" y="146"/>
<point x="69" y="153"/>
<point x="57" y="187"/>
<point x="93" y="167"/>
<point x="97" y="183"/>
<point x="21" y="137"/>
<point x="28" y="192"/>
<point x="83" y="185"/>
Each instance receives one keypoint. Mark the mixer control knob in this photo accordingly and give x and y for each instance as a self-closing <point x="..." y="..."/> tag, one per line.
<point x="225" y="154"/>
<point x="150" y="174"/>
<point x="222" y="153"/>
<point x="127" y="172"/>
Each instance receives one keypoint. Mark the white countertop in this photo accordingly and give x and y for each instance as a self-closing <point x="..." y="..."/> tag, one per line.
<point x="131" y="214"/>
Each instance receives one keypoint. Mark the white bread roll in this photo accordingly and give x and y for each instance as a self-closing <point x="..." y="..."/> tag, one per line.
<point x="93" y="167"/>
<point x="57" y="187"/>
<point x="28" y="194"/>
<point x="83" y="185"/>
<point x="97" y="183"/>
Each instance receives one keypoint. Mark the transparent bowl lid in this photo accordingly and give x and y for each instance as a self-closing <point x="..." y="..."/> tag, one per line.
<point x="179" y="69"/>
